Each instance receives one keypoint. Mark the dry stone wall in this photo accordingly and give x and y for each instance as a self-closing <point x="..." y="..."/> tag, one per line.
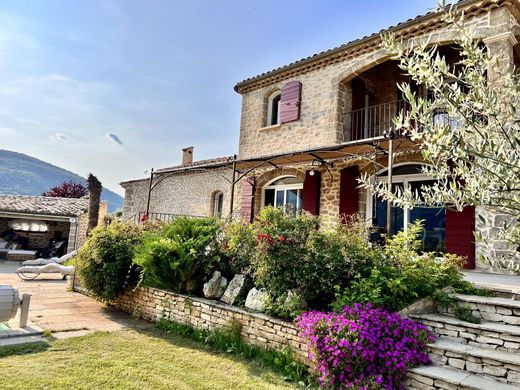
<point x="153" y="304"/>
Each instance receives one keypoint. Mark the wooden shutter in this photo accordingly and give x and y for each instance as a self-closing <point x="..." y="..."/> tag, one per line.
<point x="348" y="192"/>
<point x="459" y="234"/>
<point x="290" y="102"/>
<point x="246" y="209"/>
<point x="311" y="193"/>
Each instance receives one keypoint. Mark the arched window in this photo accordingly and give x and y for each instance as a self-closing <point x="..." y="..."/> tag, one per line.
<point x="218" y="200"/>
<point x="434" y="218"/>
<point x="284" y="192"/>
<point x="273" y="109"/>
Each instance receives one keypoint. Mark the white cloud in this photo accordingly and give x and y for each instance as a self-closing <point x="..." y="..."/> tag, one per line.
<point x="60" y="137"/>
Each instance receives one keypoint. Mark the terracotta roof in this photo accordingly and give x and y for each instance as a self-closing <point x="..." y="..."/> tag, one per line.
<point x="338" y="51"/>
<point x="201" y="164"/>
<point x="217" y="161"/>
<point x="43" y="205"/>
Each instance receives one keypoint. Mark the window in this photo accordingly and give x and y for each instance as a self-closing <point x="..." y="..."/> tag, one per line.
<point x="434" y="218"/>
<point x="273" y="109"/>
<point x="218" y="200"/>
<point x="284" y="192"/>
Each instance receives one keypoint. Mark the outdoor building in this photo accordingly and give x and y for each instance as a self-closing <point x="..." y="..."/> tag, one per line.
<point x="311" y="128"/>
<point x="32" y="226"/>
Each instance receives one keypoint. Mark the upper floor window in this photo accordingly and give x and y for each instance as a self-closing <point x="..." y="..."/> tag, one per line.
<point x="284" y="192"/>
<point x="273" y="109"/>
<point x="218" y="201"/>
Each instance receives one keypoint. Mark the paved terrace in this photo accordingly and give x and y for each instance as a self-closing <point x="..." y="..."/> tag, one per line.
<point x="55" y="309"/>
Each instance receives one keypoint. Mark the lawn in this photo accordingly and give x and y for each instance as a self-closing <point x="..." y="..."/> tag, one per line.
<point x="129" y="359"/>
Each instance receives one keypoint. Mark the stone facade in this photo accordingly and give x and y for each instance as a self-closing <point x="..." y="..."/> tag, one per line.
<point x="153" y="304"/>
<point x="183" y="193"/>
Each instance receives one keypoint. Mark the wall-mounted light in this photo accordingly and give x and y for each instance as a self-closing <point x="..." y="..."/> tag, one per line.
<point x="311" y="173"/>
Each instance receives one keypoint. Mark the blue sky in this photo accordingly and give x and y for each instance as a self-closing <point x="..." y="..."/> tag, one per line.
<point x="116" y="87"/>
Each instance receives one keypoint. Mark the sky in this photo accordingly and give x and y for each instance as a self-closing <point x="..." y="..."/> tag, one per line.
<point x="116" y="87"/>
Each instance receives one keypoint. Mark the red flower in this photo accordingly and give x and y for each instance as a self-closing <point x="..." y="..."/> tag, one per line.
<point x="281" y="238"/>
<point x="144" y="217"/>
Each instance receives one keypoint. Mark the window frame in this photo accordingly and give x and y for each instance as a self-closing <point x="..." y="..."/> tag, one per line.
<point x="218" y="200"/>
<point x="270" y="108"/>
<point x="285" y="188"/>
<point x="399" y="179"/>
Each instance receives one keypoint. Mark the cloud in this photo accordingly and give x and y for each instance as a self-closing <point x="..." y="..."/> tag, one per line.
<point x="60" y="137"/>
<point x="115" y="138"/>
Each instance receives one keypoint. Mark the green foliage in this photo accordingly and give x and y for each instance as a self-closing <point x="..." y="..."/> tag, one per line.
<point x="229" y="340"/>
<point x="401" y="276"/>
<point x="104" y="263"/>
<point x="460" y="311"/>
<point x="186" y="250"/>
<point x="286" y="305"/>
<point x="284" y="252"/>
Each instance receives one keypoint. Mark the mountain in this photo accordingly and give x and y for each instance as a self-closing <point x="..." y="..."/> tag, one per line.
<point x="21" y="174"/>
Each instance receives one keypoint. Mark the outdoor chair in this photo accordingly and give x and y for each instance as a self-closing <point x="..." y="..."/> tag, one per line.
<point x="52" y="260"/>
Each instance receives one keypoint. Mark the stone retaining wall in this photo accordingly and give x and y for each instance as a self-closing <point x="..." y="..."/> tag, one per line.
<point x="153" y="304"/>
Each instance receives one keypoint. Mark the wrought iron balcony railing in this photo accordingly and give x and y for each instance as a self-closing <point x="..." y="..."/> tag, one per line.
<point x="372" y="121"/>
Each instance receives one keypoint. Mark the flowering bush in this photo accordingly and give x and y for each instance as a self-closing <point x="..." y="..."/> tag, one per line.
<point x="362" y="347"/>
<point x="284" y="252"/>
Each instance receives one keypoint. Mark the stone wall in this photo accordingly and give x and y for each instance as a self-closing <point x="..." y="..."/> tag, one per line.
<point x="153" y="304"/>
<point x="326" y="94"/>
<point x="183" y="193"/>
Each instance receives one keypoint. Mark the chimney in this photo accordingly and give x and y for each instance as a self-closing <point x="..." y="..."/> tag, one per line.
<point x="187" y="155"/>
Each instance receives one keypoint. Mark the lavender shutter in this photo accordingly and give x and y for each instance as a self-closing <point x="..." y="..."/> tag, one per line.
<point x="290" y="102"/>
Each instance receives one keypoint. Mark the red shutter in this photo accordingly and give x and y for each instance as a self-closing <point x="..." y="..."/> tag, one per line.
<point x="459" y="234"/>
<point x="246" y="209"/>
<point x="311" y="193"/>
<point x="290" y="102"/>
<point x="348" y="192"/>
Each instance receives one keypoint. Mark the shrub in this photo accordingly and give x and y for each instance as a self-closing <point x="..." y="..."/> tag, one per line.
<point x="186" y="250"/>
<point x="284" y="252"/>
<point x="401" y="276"/>
<point x="104" y="263"/>
<point x="363" y="347"/>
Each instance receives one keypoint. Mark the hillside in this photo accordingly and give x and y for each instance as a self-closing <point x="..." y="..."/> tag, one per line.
<point x="24" y="175"/>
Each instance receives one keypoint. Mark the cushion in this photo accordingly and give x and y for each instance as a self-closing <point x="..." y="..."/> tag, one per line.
<point x="3" y="244"/>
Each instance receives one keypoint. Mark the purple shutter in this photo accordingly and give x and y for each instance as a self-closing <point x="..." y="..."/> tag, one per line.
<point x="246" y="208"/>
<point x="311" y="193"/>
<point x="459" y="234"/>
<point x="290" y="102"/>
<point x="348" y="192"/>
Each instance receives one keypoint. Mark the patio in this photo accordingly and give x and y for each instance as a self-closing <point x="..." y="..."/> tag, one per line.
<point x="63" y="312"/>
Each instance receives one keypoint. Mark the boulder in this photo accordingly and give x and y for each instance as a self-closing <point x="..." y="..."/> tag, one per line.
<point x="234" y="289"/>
<point x="256" y="299"/>
<point x="215" y="287"/>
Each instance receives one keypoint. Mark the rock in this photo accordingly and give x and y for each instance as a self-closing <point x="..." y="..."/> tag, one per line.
<point x="215" y="287"/>
<point x="234" y="289"/>
<point x="256" y="299"/>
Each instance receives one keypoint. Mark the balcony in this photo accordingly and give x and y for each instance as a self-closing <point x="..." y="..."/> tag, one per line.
<point x="372" y="121"/>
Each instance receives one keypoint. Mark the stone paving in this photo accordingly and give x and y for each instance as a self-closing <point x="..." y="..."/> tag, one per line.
<point x="55" y="309"/>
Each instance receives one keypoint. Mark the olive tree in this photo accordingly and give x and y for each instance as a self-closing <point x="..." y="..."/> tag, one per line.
<point x="474" y="152"/>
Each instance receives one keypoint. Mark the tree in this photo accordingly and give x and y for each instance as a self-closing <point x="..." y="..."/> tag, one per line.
<point x="94" y="196"/>
<point x="474" y="153"/>
<point x="67" y="189"/>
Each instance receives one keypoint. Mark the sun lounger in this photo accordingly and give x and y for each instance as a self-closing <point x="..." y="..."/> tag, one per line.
<point x="30" y="272"/>
<point x="52" y="260"/>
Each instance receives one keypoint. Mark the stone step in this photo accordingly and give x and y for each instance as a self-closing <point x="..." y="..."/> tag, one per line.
<point x="501" y="365"/>
<point x="21" y="340"/>
<point x="487" y="334"/>
<point x="448" y="378"/>
<point x="495" y="309"/>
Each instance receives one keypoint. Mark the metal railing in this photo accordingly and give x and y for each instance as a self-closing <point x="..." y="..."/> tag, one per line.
<point x="163" y="217"/>
<point x="372" y="121"/>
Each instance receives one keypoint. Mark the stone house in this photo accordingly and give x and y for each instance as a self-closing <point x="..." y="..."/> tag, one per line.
<point x="32" y="222"/>
<point x="311" y="128"/>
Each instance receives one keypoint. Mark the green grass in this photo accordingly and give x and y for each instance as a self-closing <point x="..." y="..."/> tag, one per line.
<point x="128" y="359"/>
